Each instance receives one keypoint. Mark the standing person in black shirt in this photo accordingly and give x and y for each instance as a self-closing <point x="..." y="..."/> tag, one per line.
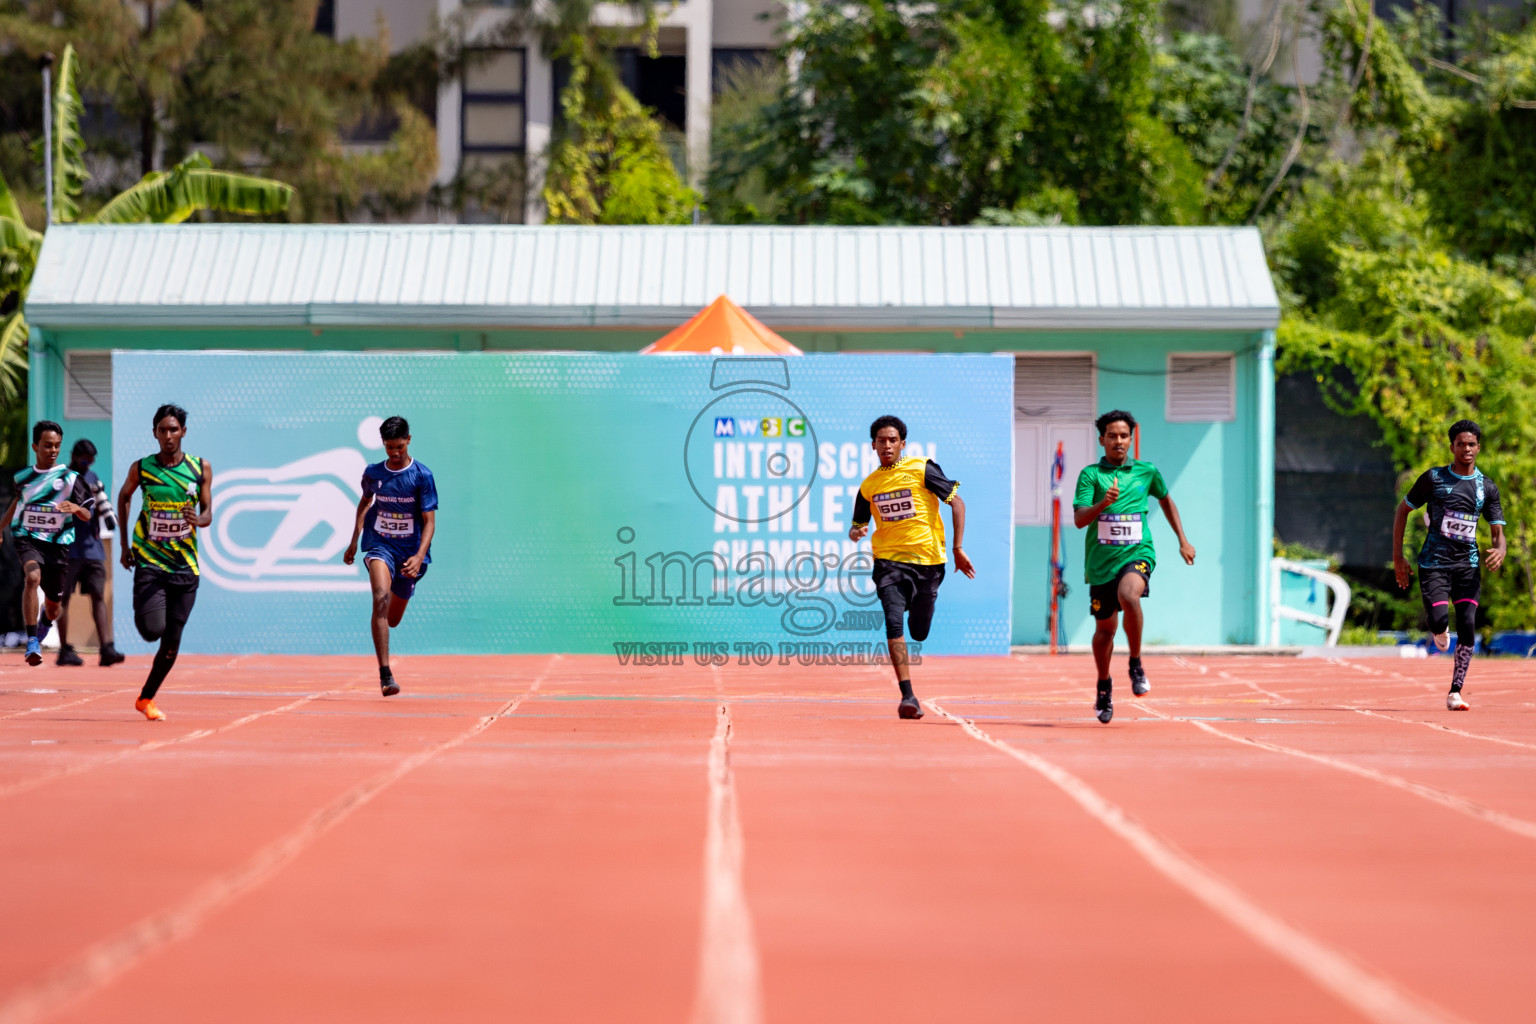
<point x="87" y="564"/>
<point x="1450" y="577"/>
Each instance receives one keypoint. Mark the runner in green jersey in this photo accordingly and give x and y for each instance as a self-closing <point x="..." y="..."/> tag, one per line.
<point x="163" y="554"/>
<point x="1112" y="499"/>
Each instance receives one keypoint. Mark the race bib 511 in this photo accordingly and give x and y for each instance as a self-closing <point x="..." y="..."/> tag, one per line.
<point x="1120" y="529"/>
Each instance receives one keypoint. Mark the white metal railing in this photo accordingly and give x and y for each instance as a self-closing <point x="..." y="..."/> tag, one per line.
<point x="1333" y="622"/>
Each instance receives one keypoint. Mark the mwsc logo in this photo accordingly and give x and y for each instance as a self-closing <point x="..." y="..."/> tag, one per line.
<point x="768" y="426"/>
<point x="284" y="528"/>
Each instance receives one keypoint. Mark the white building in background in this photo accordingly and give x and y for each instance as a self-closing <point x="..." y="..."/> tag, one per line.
<point x="505" y="105"/>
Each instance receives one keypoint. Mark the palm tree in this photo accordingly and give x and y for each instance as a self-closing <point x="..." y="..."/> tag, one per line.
<point x="160" y="197"/>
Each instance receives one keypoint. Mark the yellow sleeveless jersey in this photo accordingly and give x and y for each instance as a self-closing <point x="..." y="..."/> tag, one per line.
<point x="905" y="502"/>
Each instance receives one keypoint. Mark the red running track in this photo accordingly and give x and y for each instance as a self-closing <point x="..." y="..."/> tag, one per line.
<point x="567" y="839"/>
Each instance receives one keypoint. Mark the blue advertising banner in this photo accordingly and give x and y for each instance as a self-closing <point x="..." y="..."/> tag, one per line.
<point x="640" y="506"/>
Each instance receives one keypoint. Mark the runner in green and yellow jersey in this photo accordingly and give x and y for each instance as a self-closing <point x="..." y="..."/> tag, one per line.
<point x="163" y="553"/>
<point x="1112" y="496"/>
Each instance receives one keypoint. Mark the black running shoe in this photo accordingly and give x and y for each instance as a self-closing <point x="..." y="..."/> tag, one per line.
<point x="110" y="656"/>
<point x="389" y="687"/>
<point x="68" y="656"/>
<point x="1104" y="707"/>
<point x="1139" y="684"/>
<point x="909" y="708"/>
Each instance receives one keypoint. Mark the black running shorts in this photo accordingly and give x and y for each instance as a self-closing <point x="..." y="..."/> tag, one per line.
<point x="1450" y="586"/>
<point x="50" y="558"/>
<point x="89" y="573"/>
<point x="1104" y="598"/>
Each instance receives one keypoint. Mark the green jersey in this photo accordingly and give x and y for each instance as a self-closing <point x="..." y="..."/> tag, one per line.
<point x="38" y="493"/>
<point x="162" y="537"/>
<point x="1121" y="534"/>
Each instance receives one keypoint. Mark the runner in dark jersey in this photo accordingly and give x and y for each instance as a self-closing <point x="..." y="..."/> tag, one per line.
<point x="49" y="500"/>
<point x="1450" y="576"/>
<point x="87" y="565"/>
<point x="163" y="553"/>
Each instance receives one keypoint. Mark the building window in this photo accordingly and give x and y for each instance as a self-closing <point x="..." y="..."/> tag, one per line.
<point x="494" y="112"/>
<point x="88" y="385"/>
<point x="1202" y="387"/>
<point x="325" y="18"/>
<point x="1054" y="397"/>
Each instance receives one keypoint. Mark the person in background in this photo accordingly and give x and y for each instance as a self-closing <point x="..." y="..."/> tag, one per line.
<point x="87" y="564"/>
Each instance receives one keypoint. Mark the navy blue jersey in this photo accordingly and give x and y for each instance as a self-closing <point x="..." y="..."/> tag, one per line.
<point x="399" y="499"/>
<point x="1455" y="503"/>
<point x="87" y="545"/>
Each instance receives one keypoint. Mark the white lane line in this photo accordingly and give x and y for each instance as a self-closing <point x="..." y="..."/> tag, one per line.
<point x="100" y="964"/>
<point x="69" y="704"/>
<point x="1446" y="728"/>
<point x="1508" y="822"/>
<point x="76" y="768"/>
<point x="1184" y="662"/>
<point x="1376" y="997"/>
<point x="1255" y="687"/>
<point x="729" y="986"/>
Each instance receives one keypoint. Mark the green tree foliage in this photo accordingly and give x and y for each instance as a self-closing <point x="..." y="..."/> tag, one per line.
<point x="608" y="163"/>
<point x="248" y="82"/>
<point x="1022" y="111"/>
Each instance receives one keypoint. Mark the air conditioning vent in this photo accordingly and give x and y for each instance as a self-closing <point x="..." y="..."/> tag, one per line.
<point x="1202" y="387"/>
<point x="88" y="385"/>
<point x="1053" y="388"/>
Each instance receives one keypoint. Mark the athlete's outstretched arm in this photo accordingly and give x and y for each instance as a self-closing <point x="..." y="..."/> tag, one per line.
<point x="412" y="565"/>
<point x="962" y="560"/>
<point x="357" y="527"/>
<point x="124" y="500"/>
<point x="1500" y="546"/>
<point x="1399" y="563"/>
<point x="1186" y="549"/>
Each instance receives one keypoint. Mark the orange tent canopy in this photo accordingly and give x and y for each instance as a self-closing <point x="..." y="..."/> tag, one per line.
<point x="722" y="328"/>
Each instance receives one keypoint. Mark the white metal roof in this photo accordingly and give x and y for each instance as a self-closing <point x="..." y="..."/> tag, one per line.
<point x="489" y="276"/>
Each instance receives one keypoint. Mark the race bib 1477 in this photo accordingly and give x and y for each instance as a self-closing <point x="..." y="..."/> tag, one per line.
<point x="1120" y="529"/>
<point x="1459" y="526"/>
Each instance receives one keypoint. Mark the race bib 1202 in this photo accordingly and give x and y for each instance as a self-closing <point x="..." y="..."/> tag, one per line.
<point x="394" y="524"/>
<point x="167" y="525"/>
<point x="1120" y="529"/>
<point x="1459" y="526"/>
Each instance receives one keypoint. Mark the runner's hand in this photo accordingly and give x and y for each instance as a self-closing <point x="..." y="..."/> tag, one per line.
<point x="412" y="566"/>
<point x="1495" y="559"/>
<point x="1111" y="494"/>
<point x="963" y="564"/>
<point x="350" y="554"/>
<point x="189" y="513"/>
<point x="856" y="533"/>
<point x="1187" y="552"/>
<point x="1400" y="567"/>
<point x="127" y="557"/>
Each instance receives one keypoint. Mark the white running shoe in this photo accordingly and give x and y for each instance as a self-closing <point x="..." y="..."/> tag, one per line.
<point x="1454" y="702"/>
<point x="1442" y="640"/>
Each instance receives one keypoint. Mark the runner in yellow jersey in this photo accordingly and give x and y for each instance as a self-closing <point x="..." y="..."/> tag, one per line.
<point x="163" y="550"/>
<point x="905" y="495"/>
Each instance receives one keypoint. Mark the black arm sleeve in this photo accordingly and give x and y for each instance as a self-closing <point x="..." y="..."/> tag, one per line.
<point x="1493" y="506"/>
<point x="935" y="480"/>
<point x="81" y="495"/>
<point x="860" y="510"/>
<point x="1422" y="490"/>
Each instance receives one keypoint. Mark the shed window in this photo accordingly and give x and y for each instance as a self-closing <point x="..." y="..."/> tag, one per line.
<point x="88" y="385"/>
<point x="1202" y="387"/>
<point x="1054" y="399"/>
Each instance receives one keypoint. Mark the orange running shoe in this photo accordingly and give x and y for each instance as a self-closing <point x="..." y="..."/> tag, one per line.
<point x="151" y="712"/>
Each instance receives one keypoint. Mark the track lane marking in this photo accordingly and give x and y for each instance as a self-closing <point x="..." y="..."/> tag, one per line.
<point x="107" y="960"/>
<point x="26" y="785"/>
<point x="1446" y="728"/>
<point x="729" y="987"/>
<point x="1374" y="996"/>
<point x="69" y="704"/>
<point x="1508" y="822"/>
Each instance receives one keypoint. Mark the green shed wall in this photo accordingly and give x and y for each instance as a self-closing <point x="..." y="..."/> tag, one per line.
<point x="1220" y="474"/>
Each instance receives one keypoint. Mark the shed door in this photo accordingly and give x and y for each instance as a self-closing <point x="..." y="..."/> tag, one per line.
<point x="1053" y="402"/>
